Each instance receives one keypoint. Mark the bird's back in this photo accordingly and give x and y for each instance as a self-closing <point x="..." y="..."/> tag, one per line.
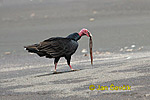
<point x="54" y="47"/>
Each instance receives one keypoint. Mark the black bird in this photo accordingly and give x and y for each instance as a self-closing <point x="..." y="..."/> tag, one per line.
<point x="57" y="47"/>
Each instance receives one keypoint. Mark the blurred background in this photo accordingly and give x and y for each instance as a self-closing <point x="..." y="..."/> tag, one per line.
<point x="116" y="25"/>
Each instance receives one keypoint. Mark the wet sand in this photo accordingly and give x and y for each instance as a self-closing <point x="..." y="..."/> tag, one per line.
<point x="121" y="49"/>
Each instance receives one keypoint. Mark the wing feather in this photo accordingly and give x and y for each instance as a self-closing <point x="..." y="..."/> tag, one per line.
<point x="57" y="47"/>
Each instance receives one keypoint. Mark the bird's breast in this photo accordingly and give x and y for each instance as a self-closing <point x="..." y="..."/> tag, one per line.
<point x="71" y="47"/>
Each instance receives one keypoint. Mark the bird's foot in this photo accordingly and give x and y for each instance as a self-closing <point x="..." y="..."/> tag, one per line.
<point x="74" y="70"/>
<point x="55" y="72"/>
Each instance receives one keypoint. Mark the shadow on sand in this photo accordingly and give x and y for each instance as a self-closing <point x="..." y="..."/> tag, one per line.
<point x="57" y="73"/>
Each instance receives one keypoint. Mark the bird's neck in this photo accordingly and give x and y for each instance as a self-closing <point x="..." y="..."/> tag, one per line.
<point x="74" y="36"/>
<point x="80" y="33"/>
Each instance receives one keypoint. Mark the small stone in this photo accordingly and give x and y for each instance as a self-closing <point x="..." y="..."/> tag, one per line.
<point x="133" y="46"/>
<point x="84" y="51"/>
<point x="128" y="58"/>
<point x="147" y="95"/>
<point x="125" y="47"/>
<point x="129" y="50"/>
<point x="7" y="53"/>
<point x="96" y="52"/>
<point x="107" y="53"/>
<point x="85" y="55"/>
<point x="140" y="48"/>
<point x="121" y="49"/>
<point x="91" y="19"/>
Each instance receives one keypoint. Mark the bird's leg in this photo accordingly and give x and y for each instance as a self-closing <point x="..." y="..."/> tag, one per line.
<point x="68" y="58"/>
<point x="55" y="67"/>
<point x="71" y="67"/>
<point x="55" y="62"/>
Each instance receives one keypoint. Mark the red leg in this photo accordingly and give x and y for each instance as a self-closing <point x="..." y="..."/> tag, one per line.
<point x="71" y="67"/>
<point x="55" y="62"/>
<point x="55" y="66"/>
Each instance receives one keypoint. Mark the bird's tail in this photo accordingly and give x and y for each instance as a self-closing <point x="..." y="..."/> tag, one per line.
<point x="32" y="48"/>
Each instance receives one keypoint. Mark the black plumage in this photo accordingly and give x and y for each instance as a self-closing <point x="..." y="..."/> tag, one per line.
<point x="57" y="47"/>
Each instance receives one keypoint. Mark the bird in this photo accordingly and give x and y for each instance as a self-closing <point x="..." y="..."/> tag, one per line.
<point x="57" y="47"/>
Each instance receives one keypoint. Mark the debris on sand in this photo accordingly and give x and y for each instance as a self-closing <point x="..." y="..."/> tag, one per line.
<point x="147" y="95"/>
<point x="102" y="53"/>
<point x="121" y="49"/>
<point x="85" y="54"/>
<point x="108" y="53"/>
<point x="133" y="46"/>
<point x="140" y="48"/>
<point x="125" y="47"/>
<point x="91" y="19"/>
<point x="84" y="51"/>
<point x="7" y="53"/>
<point x="96" y="52"/>
<point x="128" y="58"/>
<point x="129" y="50"/>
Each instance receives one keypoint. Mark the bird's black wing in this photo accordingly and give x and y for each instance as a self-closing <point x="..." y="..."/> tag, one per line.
<point x="57" y="47"/>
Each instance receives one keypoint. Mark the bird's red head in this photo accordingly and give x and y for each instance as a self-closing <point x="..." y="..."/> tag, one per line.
<point x="85" y="32"/>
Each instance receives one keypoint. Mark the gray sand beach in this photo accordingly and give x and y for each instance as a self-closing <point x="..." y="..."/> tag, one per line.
<point x="121" y="32"/>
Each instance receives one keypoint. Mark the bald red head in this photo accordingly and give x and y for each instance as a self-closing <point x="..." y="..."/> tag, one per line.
<point x="85" y="32"/>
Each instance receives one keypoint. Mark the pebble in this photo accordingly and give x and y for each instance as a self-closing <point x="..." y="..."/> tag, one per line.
<point x="140" y="48"/>
<point x="7" y="53"/>
<point x="85" y="55"/>
<point x="129" y="50"/>
<point x="147" y="95"/>
<point x="125" y="47"/>
<point x="96" y="52"/>
<point x="107" y="53"/>
<point x="91" y="19"/>
<point x="121" y="49"/>
<point x="84" y="51"/>
<point x="128" y="58"/>
<point x="133" y="46"/>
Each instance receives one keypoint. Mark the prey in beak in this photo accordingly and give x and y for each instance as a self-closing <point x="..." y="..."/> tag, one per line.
<point x="91" y="46"/>
<point x="86" y="32"/>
